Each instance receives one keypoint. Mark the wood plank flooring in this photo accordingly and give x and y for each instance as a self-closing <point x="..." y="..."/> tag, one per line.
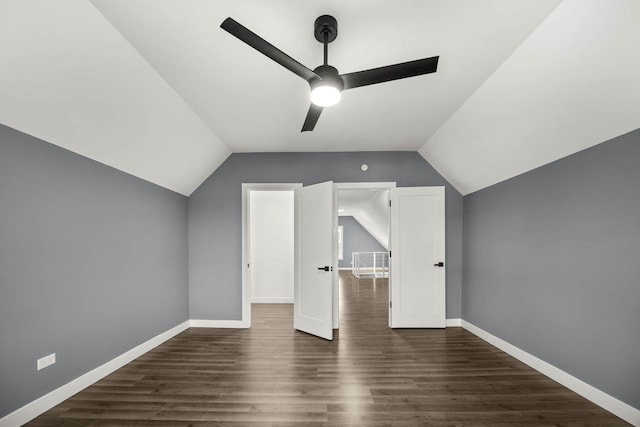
<point x="370" y="375"/>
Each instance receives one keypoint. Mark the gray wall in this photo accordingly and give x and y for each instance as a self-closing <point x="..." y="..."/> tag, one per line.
<point x="92" y="263"/>
<point x="552" y="264"/>
<point x="355" y="238"/>
<point x="215" y="217"/>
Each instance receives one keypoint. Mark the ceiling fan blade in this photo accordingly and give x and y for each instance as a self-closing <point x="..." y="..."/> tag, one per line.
<point x="390" y="72"/>
<point x="312" y="117"/>
<point x="266" y="48"/>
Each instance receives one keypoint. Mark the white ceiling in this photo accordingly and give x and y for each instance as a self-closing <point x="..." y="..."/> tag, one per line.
<point x="155" y="88"/>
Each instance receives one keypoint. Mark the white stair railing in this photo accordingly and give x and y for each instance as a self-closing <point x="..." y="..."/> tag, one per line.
<point x="370" y="264"/>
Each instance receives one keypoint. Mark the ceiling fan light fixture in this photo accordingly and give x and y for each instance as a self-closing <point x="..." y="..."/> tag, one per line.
<point x="326" y="90"/>
<point x="325" y="95"/>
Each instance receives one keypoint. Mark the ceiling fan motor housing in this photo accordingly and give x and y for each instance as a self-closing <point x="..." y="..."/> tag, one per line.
<point x="326" y="24"/>
<point x="327" y="73"/>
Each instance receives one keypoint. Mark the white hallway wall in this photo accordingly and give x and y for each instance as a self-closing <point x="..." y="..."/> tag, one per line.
<point x="271" y="240"/>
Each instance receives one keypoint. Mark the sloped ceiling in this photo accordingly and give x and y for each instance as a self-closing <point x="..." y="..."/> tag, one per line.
<point x="68" y="77"/>
<point x="370" y="208"/>
<point x="155" y="88"/>
<point x="574" y="83"/>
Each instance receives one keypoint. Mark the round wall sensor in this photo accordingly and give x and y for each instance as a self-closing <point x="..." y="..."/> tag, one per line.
<point x="364" y="167"/>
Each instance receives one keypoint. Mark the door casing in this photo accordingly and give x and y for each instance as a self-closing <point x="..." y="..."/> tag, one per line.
<point x="246" y="275"/>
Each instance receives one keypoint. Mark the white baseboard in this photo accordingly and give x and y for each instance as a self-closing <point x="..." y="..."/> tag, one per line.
<point x="453" y="322"/>
<point x="238" y="324"/>
<point x="282" y="300"/>
<point x="53" y="398"/>
<point x="600" y="398"/>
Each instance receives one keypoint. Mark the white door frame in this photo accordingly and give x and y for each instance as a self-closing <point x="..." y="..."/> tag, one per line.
<point x="336" y="283"/>
<point x="246" y="276"/>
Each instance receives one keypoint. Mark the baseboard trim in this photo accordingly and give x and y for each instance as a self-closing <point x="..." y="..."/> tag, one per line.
<point x="453" y="322"/>
<point x="282" y="300"/>
<point x="237" y="324"/>
<point x="600" y="398"/>
<point x="31" y="410"/>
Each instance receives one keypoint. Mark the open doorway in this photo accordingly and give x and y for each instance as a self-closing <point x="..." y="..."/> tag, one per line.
<point x="363" y="221"/>
<point x="364" y="218"/>
<point x="267" y="245"/>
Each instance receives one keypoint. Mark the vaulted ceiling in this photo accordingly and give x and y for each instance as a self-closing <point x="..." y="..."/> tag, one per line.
<point x="155" y="88"/>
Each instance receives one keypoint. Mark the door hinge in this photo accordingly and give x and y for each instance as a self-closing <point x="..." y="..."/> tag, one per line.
<point x="389" y="203"/>
<point x="390" y="304"/>
<point x="247" y="265"/>
<point x="389" y="254"/>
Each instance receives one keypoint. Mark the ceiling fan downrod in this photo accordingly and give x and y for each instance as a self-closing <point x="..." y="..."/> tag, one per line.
<point x="326" y="48"/>
<point x="325" y="29"/>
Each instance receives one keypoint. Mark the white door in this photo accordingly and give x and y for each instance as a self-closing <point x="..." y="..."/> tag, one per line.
<point x="314" y="211"/>
<point x="417" y="273"/>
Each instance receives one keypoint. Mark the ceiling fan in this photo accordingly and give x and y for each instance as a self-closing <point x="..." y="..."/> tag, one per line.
<point x="325" y="82"/>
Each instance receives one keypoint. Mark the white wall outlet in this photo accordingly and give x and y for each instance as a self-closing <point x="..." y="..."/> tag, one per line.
<point x="49" y="360"/>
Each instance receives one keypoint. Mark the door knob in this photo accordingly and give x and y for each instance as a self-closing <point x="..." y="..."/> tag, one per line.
<point x="325" y="268"/>
<point x="440" y="264"/>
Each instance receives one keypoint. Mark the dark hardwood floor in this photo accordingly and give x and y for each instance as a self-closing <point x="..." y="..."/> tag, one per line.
<point x="370" y="375"/>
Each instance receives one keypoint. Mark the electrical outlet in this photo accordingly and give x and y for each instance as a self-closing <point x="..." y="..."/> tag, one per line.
<point x="49" y="360"/>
